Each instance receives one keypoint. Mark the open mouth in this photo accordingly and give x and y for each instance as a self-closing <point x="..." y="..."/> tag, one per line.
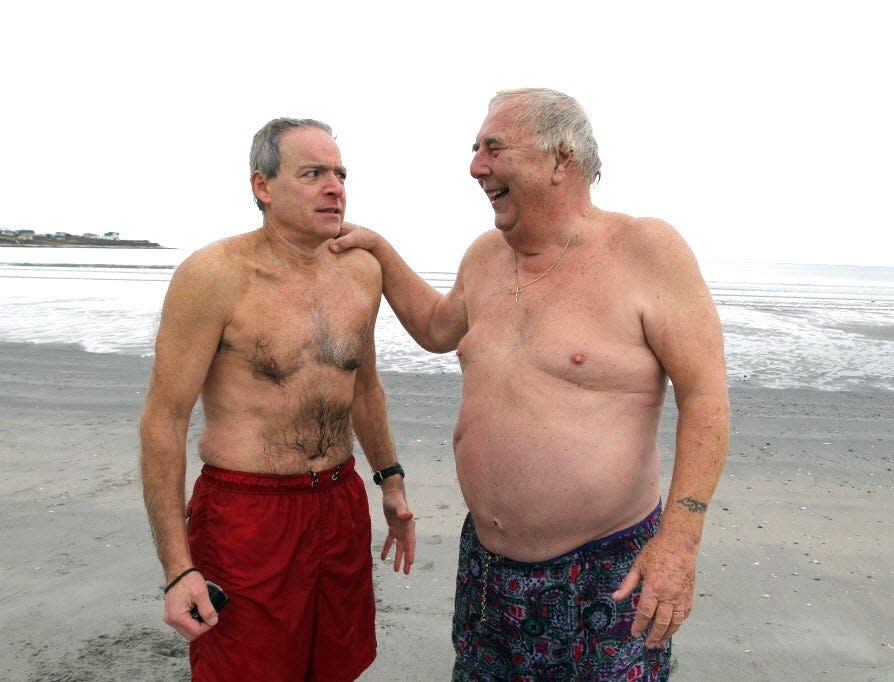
<point x="495" y="194"/>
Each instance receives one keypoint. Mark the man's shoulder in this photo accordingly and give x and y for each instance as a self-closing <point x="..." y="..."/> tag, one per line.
<point x="360" y="263"/>
<point x="486" y="243"/>
<point x="651" y="254"/>
<point x="644" y="240"/>
<point x="360" y="260"/>
<point x="216" y="262"/>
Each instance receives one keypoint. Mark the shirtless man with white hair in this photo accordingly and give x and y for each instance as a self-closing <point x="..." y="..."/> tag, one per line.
<point x="568" y="321"/>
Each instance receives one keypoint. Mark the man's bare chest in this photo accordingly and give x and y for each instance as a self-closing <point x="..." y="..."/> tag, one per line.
<point x="588" y="340"/>
<point x="277" y="334"/>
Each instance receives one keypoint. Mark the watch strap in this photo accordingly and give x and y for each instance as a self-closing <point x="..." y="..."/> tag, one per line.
<point x="380" y="476"/>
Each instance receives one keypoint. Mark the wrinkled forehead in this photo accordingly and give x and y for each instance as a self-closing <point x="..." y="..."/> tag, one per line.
<point x="505" y="121"/>
<point x="309" y="145"/>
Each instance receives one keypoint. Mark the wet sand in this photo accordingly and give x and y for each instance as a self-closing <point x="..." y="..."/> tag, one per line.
<point x="796" y="578"/>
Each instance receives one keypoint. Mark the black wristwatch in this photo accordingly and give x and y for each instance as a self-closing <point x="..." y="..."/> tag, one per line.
<point x="380" y="476"/>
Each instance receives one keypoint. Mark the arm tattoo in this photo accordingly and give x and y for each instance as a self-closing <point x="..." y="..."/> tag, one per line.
<point x="693" y="505"/>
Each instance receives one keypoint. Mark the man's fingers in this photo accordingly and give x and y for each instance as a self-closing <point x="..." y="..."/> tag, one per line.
<point x="199" y="597"/>
<point x="660" y="624"/>
<point x="188" y="627"/>
<point x="628" y="585"/>
<point x="191" y="629"/>
<point x="207" y="613"/>
<point x="179" y="602"/>
<point x="411" y="544"/>
<point x="404" y="547"/>
<point x="347" y="238"/>
<point x="410" y="553"/>
<point x="386" y="547"/>
<point x="645" y="612"/>
<point x="676" y="621"/>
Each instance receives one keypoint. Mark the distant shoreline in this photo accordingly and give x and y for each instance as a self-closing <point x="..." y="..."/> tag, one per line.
<point x="83" y="241"/>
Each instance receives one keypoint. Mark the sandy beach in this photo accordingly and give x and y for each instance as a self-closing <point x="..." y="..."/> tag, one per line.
<point x="796" y="578"/>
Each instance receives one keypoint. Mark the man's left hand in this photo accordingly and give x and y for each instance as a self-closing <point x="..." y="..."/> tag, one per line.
<point x="401" y="530"/>
<point x="667" y="571"/>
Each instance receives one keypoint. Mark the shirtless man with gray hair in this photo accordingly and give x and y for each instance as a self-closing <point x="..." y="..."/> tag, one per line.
<point x="275" y="332"/>
<point x="568" y="321"/>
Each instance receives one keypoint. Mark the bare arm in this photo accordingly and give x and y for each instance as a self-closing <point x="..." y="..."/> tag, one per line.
<point x="191" y="323"/>
<point x="369" y="417"/>
<point x="683" y="329"/>
<point x="436" y="321"/>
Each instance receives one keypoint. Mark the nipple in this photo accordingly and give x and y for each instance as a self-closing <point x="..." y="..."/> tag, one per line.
<point x="496" y="522"/>
<point x="577" y="359"/>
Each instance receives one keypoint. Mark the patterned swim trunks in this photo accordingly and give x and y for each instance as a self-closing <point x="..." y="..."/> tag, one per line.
<point x="555" y="620"/>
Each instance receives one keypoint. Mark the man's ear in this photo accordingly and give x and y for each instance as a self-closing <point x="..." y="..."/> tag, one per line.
<point x="259" y="187"/>
<point x="563" y="164"/>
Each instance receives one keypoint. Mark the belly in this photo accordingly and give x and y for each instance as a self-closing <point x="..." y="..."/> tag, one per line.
<point x="304" y="425"/>
<point x="546" y="467"/>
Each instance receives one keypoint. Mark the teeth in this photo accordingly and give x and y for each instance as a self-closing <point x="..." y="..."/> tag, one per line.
<point x="493" y="194"/>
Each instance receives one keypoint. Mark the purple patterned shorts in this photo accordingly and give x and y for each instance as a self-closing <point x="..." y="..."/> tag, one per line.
<point x="555" y="620"/>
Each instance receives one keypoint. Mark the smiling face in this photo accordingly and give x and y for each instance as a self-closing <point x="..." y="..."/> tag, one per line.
<point x="511" y="168"/>
<point x="308" y="193"/>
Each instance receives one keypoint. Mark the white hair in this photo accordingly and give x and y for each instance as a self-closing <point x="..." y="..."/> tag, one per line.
<point x="558" y="123"/>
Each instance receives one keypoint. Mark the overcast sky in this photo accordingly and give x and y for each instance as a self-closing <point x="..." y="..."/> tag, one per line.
<point x="761" y="130"/>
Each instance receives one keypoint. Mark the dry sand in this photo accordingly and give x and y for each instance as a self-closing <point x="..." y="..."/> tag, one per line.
<point x="795" y="578"/>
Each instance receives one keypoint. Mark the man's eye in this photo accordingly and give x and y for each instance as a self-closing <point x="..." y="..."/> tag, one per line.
<point x="313" y="173"/>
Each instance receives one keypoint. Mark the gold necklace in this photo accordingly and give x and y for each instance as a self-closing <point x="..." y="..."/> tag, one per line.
<point x="543" y="274"/>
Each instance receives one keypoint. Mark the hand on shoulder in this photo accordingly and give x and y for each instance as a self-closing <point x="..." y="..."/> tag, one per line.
<point x="354" y="237"/>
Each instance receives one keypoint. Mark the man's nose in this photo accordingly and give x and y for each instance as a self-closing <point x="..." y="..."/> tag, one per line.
<point x="334" y="185"/>
<point x="479" y="168"/>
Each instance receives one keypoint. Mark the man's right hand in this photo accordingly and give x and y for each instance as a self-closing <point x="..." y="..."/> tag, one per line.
<point x="190" y="591"/>
<point x="353" y="236"/>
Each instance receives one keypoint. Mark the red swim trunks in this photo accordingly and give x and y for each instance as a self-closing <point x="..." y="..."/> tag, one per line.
<point x="294" y="555"/>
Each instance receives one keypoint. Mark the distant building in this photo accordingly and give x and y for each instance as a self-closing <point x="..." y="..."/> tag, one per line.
<point x="7" y="233"/>
<point x="110" y="235"/>
<point x="90" y="235"/>
<point x="25" y="235"/>
<point x="61" y="235"/>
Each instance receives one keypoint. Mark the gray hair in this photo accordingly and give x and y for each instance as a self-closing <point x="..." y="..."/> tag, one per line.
<point x="558" y="122"/>
<point x="264" y="156"/>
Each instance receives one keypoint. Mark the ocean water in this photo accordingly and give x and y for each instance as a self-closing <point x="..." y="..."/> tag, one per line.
<point x="817" y="326"/>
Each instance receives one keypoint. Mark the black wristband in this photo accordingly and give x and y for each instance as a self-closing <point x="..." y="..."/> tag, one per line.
<point x="179" y="577"/>
<point x="380" y="476"/>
